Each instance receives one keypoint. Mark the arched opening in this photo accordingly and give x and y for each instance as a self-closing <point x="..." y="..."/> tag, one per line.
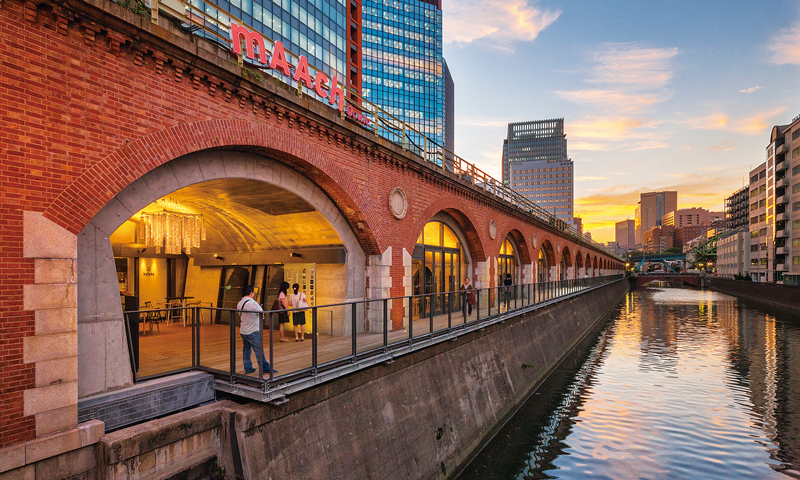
<point x="190" y="234"/>
<point x="594" y="266"/>
<point x="439" y="264"/>
<point x="588" y="266"/>
<point x="508" y="262"/>
<point x="545" y="262"/>
<point x="565" y="266"/>
<point x="579" y="265"/>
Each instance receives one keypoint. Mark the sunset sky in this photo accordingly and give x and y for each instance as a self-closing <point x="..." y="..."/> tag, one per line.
<point x="677" y="95"/>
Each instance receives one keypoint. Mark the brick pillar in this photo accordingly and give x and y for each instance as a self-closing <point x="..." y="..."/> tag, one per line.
<point x="380" y="286"/>
<point x="54" y="347"/>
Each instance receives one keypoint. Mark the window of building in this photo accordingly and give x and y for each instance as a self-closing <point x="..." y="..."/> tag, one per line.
<point x="753" y="248"/>
<point x="795" y="206"/>
<point x="796" y="186"/>
<point x="796" y="152"/>
<point x="754" y="234"/>
<point x="796" y="242"/>
<point x="796" y="170"/>
<point x="795" y="260"/>
<point x="795" y="224"/>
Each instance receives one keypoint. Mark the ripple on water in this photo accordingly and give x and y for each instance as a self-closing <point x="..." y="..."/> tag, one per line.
<point x="688" y="384"/>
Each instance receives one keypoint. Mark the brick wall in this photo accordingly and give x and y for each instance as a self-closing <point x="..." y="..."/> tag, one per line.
<point x="92" y="98"/>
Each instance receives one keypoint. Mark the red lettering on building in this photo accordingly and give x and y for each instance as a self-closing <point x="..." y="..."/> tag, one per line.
<point x="278" y="59"/>
<point x="336" y="91"/>
<point x="250" y="39"/>
<point x="301" y="71"/>
<point x="320" y="79"/>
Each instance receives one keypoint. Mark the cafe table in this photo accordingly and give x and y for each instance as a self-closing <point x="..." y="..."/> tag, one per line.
<point x="183" y="306"/>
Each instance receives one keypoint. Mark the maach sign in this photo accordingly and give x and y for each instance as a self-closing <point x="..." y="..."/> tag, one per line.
<point x="277" y="61"/>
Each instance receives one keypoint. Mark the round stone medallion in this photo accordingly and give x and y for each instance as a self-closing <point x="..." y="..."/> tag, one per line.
<point x="398" y="203"/>
<point x="492" y="229"/>
<point x="534" y="242"/>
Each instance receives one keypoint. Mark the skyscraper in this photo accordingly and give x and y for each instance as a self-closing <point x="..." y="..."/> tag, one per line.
<point x="625" y="234"/>
<point x="652" y="206"/>
<point x="535" y="165"/>
<point x="736" y="208"/>
<point x="449" y="116"/>
<point x="403" y="67"/>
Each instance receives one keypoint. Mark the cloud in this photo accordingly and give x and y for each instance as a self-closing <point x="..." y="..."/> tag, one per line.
<point x="502" y="21"/>
<point x="618" y="100"/>
<point x="755" y="124"/>
<point x="633" y="64"/>
<point x="749" y="90"/>
<point x="785" y="46"/>
<point x="724" y="146"/>
<point x="634" y="77"/>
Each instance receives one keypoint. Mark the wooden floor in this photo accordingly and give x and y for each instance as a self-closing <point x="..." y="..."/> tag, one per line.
<point x="169" y="347"/>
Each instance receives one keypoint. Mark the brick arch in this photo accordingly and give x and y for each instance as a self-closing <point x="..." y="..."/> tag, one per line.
<point x="549" y="252"/>
<point x="566" y="256"/>
<point x="465" y="223"/>
<point x="92" y="190"/>
<point x="578" y="260"/>
<point x="523" y="250"/>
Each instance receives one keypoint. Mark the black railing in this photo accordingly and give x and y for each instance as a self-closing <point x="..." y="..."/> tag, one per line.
<point x="366" y="332"/>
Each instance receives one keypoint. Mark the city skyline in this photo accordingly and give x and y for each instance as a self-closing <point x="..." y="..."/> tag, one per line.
<point x="684" y="103"/>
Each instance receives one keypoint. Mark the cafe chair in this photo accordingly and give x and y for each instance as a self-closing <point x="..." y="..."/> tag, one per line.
<point x="154" y="316"/>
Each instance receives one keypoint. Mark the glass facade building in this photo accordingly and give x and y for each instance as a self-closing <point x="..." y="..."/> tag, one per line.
<point x="535" y="165"/>
<point x="403" y="66"/>
<point x="314" y="28"/>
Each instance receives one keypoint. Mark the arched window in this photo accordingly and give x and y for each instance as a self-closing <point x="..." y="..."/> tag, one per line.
<point x="507" y="263"/>
<point x="439" y="265"/>
<point x="542" y="266"/>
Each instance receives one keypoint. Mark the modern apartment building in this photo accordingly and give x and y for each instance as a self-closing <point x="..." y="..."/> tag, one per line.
<point x="650" y="210"/>
<point x="685" y="234"/>
<point x="686" y="217"/>
<point x="404" y="71"/>
<point x="658" y="239"/>
<point x="535" y="165"/>
<point x="625" y="234"/>
<point x="783" y="152"/>
<point x="736" y="209"/>
<point x="762" y="219"/>
<point x="733" y="254"/>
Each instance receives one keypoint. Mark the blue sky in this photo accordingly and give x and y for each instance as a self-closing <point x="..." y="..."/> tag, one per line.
<point x="655" y="94"/>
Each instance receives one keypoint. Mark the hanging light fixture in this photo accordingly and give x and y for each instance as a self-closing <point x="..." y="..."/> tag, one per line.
<point x="172" y="230"/>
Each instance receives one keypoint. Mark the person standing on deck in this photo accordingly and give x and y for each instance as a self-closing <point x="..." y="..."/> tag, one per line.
<point x="250" y="330"/>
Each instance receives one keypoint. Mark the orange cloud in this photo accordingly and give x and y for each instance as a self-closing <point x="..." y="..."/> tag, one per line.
<point x="633" y="64"/>
<point x="616" y="100"/>
<point x="785" y="46"/>
<point x="502" y="21"/>
<point x="724" y="146"/>
<point x="755" y="124"/>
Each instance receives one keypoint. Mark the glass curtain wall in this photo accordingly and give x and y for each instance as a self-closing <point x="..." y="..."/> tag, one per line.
<point x="403" y="66"/>
<point x="438" y="266"/>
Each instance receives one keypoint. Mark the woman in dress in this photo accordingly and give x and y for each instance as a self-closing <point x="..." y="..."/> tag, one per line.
<point x="298" y="302"/>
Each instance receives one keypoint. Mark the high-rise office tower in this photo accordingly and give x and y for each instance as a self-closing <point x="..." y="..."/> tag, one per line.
<point x="625" y="234"/>
<point x="403" y="67"/>
<point x="449" y="116"/>
<point x="652" y="206"/>
<point x="535" y="165"/>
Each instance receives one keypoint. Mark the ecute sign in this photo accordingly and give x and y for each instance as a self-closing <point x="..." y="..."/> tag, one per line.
<point x="278" y="62"/>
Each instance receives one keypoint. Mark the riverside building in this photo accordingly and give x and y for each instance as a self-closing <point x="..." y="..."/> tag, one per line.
<point x="651" y="209"/>
<point x="535" y="165"/>
<point x="783" y="190"/>
<point x="736" y="209"/>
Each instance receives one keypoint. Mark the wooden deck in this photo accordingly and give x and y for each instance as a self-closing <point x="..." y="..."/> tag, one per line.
<point x="169" y="347"/>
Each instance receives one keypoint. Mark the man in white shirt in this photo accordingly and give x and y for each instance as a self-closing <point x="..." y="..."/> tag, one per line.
<point x="250" y="330"/>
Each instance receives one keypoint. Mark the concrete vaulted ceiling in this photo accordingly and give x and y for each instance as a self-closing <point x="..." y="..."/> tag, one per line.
<point x="248" y="216"/>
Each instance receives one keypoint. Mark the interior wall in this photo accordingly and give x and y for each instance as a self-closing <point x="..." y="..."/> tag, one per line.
<point x="152" y="281"/>
<point x="331" y="288"/>
<point x="202" y="283"/>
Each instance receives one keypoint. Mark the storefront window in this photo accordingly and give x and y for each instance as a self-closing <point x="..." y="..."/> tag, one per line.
<point x="438" y="266"/>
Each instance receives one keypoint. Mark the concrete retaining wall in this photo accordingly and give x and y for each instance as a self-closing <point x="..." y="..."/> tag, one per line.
<point x="785" y="296"/>
<point x="424" y="415"/>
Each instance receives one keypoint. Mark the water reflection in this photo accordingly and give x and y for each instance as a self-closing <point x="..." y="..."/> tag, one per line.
<point x="682" y="383"/>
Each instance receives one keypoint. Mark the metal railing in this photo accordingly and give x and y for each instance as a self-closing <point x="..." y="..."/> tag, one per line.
<point x="375" y="331"/>
<point x="207" y="19"/>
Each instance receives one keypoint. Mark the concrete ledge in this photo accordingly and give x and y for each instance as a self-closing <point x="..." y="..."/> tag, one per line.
<point x="34" y="451"/>
<point x="140" y="439"/>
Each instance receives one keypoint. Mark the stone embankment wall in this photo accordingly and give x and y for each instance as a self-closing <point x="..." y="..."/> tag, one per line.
<point x="785" y="296"/>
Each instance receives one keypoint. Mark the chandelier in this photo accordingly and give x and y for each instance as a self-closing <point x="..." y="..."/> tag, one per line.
<point x="174" y="231"/>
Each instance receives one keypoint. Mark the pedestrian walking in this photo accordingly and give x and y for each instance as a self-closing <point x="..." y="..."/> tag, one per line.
<point x="250" y="330"/>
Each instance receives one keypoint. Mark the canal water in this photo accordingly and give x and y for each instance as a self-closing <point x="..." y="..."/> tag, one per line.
<point x="682" y="383"/>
